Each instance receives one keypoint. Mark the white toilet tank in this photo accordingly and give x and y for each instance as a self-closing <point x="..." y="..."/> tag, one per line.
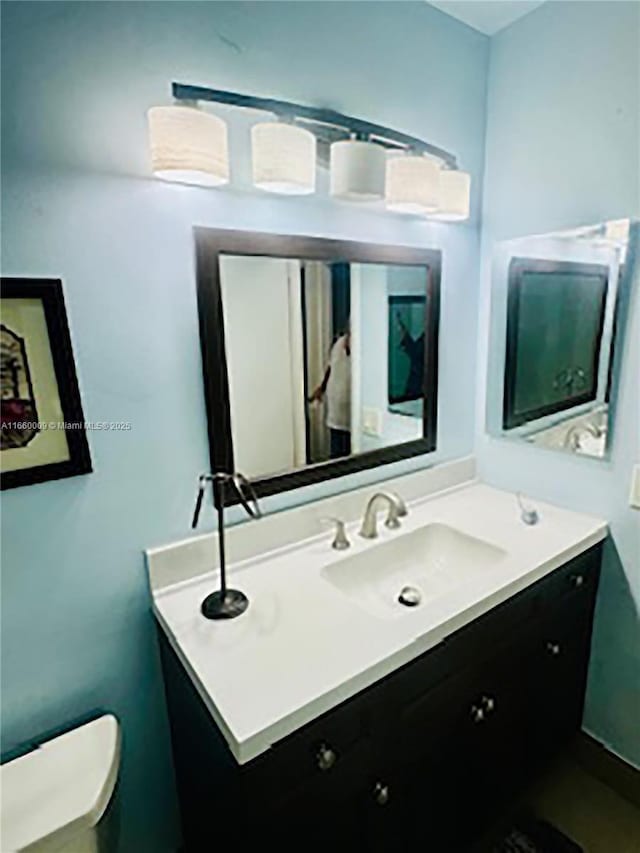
<point x="55" y="798"/>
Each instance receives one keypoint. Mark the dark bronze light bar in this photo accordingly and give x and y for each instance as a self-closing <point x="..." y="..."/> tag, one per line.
<point x="337" y="125"/>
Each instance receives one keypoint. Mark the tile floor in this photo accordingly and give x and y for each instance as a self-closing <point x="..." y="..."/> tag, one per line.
<point x="585" y="809"/>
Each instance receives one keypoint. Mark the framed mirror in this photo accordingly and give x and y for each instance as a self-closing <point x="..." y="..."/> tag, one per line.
<point x="559" y="304"/>
<point x="320" y="357"/>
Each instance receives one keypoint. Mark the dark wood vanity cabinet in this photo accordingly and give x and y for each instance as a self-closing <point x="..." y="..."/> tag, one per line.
<point x="422" y="759"/>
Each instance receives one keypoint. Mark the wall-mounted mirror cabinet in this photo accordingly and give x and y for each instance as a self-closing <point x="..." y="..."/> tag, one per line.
<point x="558" y="317"/>
<point x="320" y="357"/>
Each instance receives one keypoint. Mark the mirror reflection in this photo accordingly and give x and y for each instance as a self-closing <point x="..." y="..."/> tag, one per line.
<point x="556" y="330"/>
<point x="331" y="361"/>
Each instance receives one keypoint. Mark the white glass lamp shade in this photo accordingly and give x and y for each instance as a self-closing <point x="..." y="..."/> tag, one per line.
<point x="283" y="158"/>
<point x="455" y="194"/>
<point x="357" y="170"/>
<point x="412" y="184"/>
<point x="188" y="145"/>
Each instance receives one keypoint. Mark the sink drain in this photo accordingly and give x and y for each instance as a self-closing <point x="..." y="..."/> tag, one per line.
<point x="410" y="596"/>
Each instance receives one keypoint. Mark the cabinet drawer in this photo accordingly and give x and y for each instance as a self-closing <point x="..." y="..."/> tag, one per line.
<point x="577" y="579"/>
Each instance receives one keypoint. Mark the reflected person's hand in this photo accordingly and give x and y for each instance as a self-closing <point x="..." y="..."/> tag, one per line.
<point x="317" y="396"/>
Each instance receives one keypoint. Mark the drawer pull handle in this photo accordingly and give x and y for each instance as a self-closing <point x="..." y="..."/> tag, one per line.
<point x="481" y="711"/>
<point x="577" y="580"/>
<point x="477" y="714"/>
<point x="489" y="704"/>
<point x="381" y="794"/>
<point x="553" y="649"/>
<point x="325" y="757"/>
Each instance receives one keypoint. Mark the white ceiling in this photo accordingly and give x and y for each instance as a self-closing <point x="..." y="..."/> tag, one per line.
<point x="487" y="16"/>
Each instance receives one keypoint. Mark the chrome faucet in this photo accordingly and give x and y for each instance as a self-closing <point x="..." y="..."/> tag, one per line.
<point x="397" y="510"/>
<point x="574" y="434"/>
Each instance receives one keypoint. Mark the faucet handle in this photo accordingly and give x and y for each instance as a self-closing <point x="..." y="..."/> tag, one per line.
<point x="340" y="540"/>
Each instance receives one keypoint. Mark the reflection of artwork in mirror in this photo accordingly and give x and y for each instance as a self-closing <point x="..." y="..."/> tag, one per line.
<point x="327" y="360"/>
<point x="556" y="350"/>
<point x="406" y="353"/>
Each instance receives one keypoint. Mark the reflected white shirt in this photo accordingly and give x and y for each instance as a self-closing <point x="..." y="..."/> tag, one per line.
<point x="339" y="387"/>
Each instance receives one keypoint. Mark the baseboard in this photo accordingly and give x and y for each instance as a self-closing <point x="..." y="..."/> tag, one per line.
<point x="608" y="767"/>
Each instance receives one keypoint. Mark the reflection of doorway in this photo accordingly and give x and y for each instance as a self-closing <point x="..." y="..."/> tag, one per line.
<point x="340" y="298"/>
<point x="326" y="305"/>
<point x="264" y="354"/>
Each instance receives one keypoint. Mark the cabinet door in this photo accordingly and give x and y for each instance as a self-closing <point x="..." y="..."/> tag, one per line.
<point x="489" y="746"/>
<point x="327" y="812"/>
<point x="385" y="809"/>
<point x="457" y="751"/>
<point x="408" y="807"/>
<point x="557" y="679"/>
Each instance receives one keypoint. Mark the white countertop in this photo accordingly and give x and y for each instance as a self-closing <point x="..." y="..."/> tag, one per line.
<point x="303" y="647"/>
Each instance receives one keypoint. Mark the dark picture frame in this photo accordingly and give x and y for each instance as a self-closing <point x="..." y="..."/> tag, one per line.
<point x="518" y="268"/>
<point x="210" y="245"/>
<point x="50" y="293"/>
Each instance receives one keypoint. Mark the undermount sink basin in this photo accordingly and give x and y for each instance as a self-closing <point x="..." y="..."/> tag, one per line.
<point x="415" y="568"/>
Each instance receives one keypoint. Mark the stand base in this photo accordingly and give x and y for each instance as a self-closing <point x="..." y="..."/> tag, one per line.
<point x="224" y="606"/>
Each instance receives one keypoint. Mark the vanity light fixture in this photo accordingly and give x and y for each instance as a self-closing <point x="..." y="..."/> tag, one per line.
<point x="357" y="170"/>
<point x="368" y="162"/>
<point x="188" y="145"/>
<point x="412" y="184"/>
<point x="454" y="195"/>
<point x="283" y="158"/>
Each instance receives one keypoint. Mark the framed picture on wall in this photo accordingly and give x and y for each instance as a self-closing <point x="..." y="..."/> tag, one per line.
<point x="43" y="431"/>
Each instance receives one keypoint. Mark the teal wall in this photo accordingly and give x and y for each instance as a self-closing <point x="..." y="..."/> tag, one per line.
<point x="562" y="150"/>
<point x="77" y="79"/>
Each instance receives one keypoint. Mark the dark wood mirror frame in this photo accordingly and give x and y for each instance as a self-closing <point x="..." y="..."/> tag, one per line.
<point x="210" y="244"/>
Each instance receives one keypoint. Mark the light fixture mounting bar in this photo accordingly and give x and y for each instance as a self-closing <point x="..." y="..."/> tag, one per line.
<point x="385" y="136"/>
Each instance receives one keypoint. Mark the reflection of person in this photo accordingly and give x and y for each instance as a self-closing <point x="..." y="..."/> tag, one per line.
<point x="336" y="385"/>
<point x="414" y="348"/>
